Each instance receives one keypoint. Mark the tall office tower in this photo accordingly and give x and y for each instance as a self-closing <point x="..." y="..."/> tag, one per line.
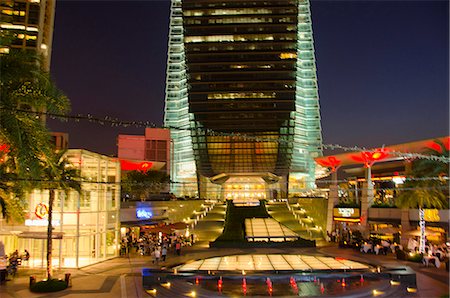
<point x="241" y="98"/>
<point x="28" y="24"/>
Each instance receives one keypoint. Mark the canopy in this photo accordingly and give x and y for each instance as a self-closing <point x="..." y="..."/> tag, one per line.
<point x="428" y="232"/>
<point x="167" y="229"/>
<point x="387" y="230"/>
<point x="40" y="235"/>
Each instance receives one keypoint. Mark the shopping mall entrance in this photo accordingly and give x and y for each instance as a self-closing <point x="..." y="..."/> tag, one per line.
<point x="247" y="188"/>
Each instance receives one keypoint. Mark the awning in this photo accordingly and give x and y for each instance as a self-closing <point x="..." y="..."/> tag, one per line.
<point x="40" y="235"/>
<point x="387" y="230"/>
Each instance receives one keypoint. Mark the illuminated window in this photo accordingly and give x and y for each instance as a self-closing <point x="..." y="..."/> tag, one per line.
<point x="224" y="38"/>
<point x="288" y="55"/>
<point x="11" y="12"/>
<point x="27" y="37"/>
<point x="244" y="20"/>
<point x="238" y="66"/>
<point x="218" y="12"/>
<point x="235" y="95"/>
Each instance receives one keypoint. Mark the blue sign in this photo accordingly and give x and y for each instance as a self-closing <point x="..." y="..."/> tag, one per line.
<point x="143" y="213"/>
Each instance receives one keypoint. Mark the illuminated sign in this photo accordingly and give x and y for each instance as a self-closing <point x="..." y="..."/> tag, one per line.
<point x="346" y="212"/>
<point x="41" y="210"/>
<point x="143" y="213"/>
<point x="41" y="222"/>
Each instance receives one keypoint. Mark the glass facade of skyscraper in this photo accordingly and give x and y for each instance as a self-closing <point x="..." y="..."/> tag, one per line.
<point x="28" y="24"/>
<point x="241" y="97"/>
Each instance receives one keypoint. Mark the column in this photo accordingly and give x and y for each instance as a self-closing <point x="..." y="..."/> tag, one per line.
<point x="333" y="199"/>
<point x="366" y="201"/>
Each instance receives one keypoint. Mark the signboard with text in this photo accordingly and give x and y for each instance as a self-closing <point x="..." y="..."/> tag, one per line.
<point x="346" y="212"/>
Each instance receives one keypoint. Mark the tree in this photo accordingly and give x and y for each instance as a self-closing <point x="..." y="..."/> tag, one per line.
<point x="59" y="174"/>
<point x="138" y="185"/>
<point x="11" y="195"/>
<point x="428" y="187"/>
<point x="25" y="92"/>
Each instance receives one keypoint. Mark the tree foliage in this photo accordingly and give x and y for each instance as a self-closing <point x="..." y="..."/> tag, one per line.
<point x="138" y="185"/>
<point x="430" y="188"/>
<point x="25" y="91"/>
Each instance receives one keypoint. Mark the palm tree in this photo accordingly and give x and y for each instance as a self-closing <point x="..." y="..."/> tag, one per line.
<point x="59" y="174"/>
<point x="429" y="188"/>
<point x="11" y="195"/>
<point x="25" y="90"/>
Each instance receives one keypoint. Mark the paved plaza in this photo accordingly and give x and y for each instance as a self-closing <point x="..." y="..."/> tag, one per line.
<point x="121" y="277"/>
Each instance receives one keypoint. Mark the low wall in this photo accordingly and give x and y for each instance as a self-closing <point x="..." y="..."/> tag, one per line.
<point x="175" y="211"/>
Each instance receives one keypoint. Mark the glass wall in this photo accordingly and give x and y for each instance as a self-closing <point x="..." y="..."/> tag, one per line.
<point x="87" y="223"/>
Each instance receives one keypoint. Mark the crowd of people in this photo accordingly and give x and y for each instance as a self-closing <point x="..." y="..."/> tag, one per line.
<point x="156" y="245"/>
<point x="434" y="253"/>
<point x="13" y="261"/>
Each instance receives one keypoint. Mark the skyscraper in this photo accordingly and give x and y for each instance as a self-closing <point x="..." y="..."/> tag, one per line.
<point x="241" y="97"/>
<point x="28" y="24"/>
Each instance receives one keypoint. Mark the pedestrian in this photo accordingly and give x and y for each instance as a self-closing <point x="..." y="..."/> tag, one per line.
<point x="164" y="253"/>
<point x="157" y="255"/>
<point x="178" y="247"/>
<point x="26" y="256"/>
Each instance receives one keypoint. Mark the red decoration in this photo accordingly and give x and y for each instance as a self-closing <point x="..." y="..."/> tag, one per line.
<point x="128" y="165"/>
<point x="293" y="284"/>
<point x="436" y="147"/>
<point x="269" y="286"/>
<point x="244" y="286"/>
<point x="368" y="158"/>
<point x="220" y="284"/>
<point x="331" y="162"/>
<point x="4" y="148"/>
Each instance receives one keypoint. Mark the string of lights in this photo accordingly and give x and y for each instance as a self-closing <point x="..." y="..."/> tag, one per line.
<point x="115" y="122"/>
<point x="15" y="179"/>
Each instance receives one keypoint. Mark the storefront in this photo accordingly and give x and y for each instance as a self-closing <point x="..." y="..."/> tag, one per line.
<point x="345" y="220"/>
<point x="86" y="224"/>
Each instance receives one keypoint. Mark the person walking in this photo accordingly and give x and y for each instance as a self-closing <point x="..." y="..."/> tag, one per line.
<point x="164" y="253"/>
<point x="157" y="255"/>
<point x="178" y="247"/>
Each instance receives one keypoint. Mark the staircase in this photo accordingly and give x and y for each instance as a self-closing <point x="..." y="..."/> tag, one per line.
<point x="295" y="218"/>
<point x="208" y="227"/>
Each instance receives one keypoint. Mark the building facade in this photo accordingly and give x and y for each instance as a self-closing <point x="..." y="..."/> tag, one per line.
<point x="365" y="197"/>
<point x="86" y="225"/>
<point x="241" y="98"/>
<point x="150" y="151"/>
<point x="28" y="24"/>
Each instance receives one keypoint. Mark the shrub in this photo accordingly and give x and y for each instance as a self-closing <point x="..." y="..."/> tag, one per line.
<point x="404" y="255"/>
<point x="417" y="258"/>
<point x="46" y="286"/>
<point x="401" y="254"/>
<point x="383" y="205"/>
<point x="347" y="205"/>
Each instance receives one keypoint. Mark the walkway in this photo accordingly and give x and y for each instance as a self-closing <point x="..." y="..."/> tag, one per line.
<point x="121" y="277"/>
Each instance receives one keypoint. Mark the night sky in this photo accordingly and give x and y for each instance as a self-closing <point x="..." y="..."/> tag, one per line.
<point x="382" y="68"/>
